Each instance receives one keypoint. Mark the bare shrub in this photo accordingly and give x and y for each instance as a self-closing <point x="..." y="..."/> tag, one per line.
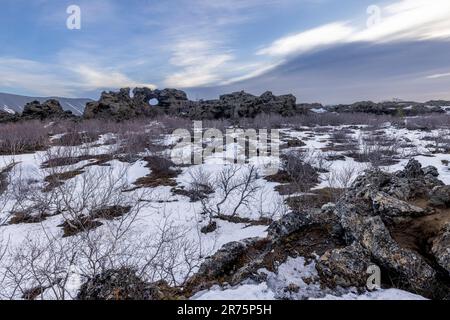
<point x="171" y="123"/>
<point x="201" y="185"/>
<point x="426" y="123"/>
<point x="44" y="267"/>
<point x="138" y="137"/>
<point x="234" y="187"/>
<point x="299" y="166"/>
<point x="439" y="142"/>
<point x="23" y="137"/>
<point x="377" y="150"/>
<point x="341" y="178"/>
<point x="51" y="268"/>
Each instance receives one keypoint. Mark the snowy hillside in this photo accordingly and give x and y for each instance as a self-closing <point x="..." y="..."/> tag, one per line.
<point x="12" y="102"/>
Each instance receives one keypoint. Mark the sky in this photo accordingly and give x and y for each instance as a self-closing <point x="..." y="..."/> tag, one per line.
<point x="328" y="51"/>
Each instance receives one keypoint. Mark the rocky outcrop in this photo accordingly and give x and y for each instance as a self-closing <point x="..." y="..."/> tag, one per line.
<point x="384" y="220"/>
<point x="224" y="261"/>
<point x="121" y="284"/>
<point x="114" y="105"/>
<point x="345" y="267"/>
<point x="8" y="117"/>
<point x="368" y="214"/>
<point x="245" y="105"/>
<point x="394" y="108"/>
<point x="121" y="105"/>
<point x="441" y="248"/>
<point x="440" y="196"/>
<point x="50" y="109"/>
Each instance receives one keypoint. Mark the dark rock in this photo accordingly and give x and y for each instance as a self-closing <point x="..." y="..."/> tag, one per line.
<point x="8" y="117"/>
<point x="120" y="105"/>
<point x="386" y="205"/>
<point x="393" y="108"/>
<point x="441" y="248"/>
<point x="440" y="196"/>
<point x="344" y="267"/>
<point x="50" y="109"/>
<point x="291" y="222"/>
<point x="113" y="105"/>
<point x="369" y="207"/>
<point x="242" y="104"/>
<point x="211" y="227"/>
<point x="224" y="261"/>
<point x="413" y="169"/>
<point x="120" y="284"/>
<point x="410" y="268"/>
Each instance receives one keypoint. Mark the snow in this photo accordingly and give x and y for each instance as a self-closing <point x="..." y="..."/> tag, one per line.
<point x="5" y="107"/>
<point x="243" y="292"/>
<point x="187" y="216"/>
<point x="319" y="110"/>
<point x="296" y="273"/>
<point x="382" y="294"/>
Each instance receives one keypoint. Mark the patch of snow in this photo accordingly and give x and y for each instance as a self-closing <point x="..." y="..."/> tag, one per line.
<point x="5" y="107"/>
<point x="319" y="110"/>
<point x="382" y="294"/>
<point x="242" y="292"/>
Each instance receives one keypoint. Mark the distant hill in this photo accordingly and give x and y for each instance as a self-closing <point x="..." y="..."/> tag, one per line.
<point x="14" y="103"/>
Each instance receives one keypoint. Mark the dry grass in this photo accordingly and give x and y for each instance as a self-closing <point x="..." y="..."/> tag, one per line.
<point x="23" y="137"/>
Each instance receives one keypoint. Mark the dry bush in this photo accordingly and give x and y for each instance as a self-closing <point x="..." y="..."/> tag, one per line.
<point x="302" y="169"/>
<point x="439" y="142"/>
<point x="426" y="123"/>
<point x="201" y="185"/>
<point x="138" y="137"/>
<point x="268" y="121"/>
<point x="52" y="268"/>
<point x="263" y="121"/>
<point x="340" y="179"/>
<point x="219" y="124"/>
<point x="171" y="123"/>
<point x="378" y="150"/>
<point x="101" y="219"/>
<point x="234" y="188"/>
<point x="23" y="137"/>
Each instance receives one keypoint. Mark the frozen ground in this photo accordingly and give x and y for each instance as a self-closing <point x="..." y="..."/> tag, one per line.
<point x="168" y="208"/>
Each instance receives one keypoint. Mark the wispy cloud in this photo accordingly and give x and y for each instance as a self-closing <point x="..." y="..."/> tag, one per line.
<point x="91" y="79"/>
<point x="194" y="43"/>
<point x="403" y="20"/>
<point x="309" y="40"/>
<point x="200" y="62"/>
<point x="57" y="79"/>
<point x="438" y="75"/>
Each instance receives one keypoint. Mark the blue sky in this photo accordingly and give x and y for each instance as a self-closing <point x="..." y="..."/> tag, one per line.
<point x="320" y="50"/>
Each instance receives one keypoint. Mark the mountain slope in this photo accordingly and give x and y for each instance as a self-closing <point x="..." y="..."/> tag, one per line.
<point x="12" y="102"/>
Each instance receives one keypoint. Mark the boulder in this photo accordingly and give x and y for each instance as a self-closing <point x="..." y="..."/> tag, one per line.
<point x="393" y="108"/>
<point x="49" y="109"/>
<point x="113" y="105"/>
<point x="441" y="248"/>
<point x="224" y="261"/>
<point x="386" y="205"/>
<point x="120" y="105"/>
<point x="372" y="204"/>
<point x="119" y="284"/>
<point x="245" y="105"/>
<point x="291" y="222"/>
<point x="345" y="267"/>
<point x="440" y="196"/>
<point x="409" y="268"/>
<point x="7" y="117"/>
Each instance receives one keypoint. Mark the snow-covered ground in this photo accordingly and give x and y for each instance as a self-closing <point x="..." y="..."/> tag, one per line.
<point x="293" y="274"/>
<point x="166" y="207"/>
